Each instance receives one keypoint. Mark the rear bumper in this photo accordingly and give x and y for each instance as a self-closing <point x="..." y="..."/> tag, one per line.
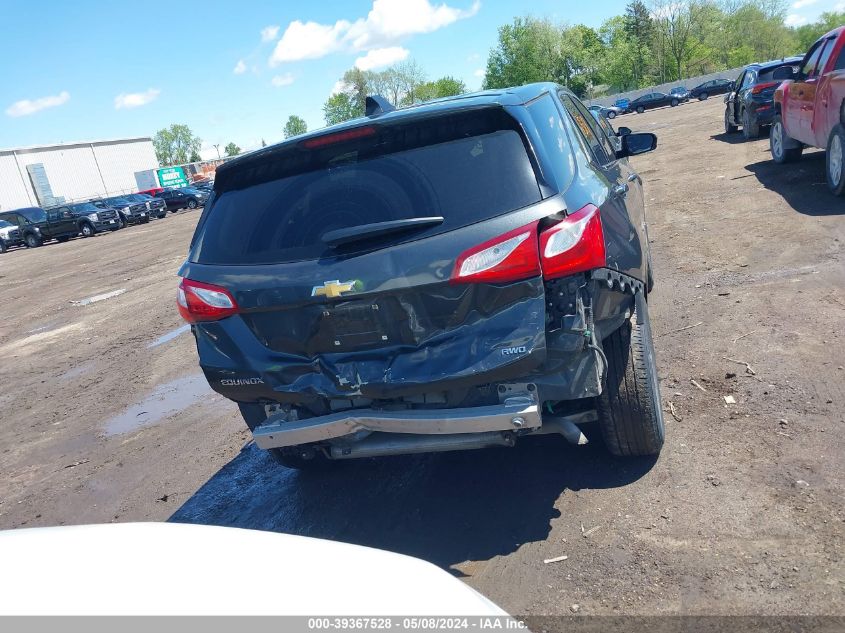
<point x="764" y="114"/>
<point x="521" y="413"/>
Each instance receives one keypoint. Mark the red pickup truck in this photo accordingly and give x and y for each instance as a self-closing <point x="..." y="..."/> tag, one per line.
<point x="810" y="108"/>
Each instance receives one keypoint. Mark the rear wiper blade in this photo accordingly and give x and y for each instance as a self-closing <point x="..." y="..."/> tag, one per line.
<point x="339" y="237"/>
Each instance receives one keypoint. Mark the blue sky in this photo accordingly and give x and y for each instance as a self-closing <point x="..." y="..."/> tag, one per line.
<point x="87" y="70"/>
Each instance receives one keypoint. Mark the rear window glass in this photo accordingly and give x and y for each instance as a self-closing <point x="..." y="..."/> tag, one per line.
<point x="465" y="168"/>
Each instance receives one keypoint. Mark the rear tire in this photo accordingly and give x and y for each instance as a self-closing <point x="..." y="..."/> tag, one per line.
<point x="777" y="142"/>
<point x="730" y="128"/>
<point x="835" y="160"/>
<point x="640" y="109"/>
<point x="630" y="413"/>
<point x="750" y="129"/>
<point x="703" y="96"/>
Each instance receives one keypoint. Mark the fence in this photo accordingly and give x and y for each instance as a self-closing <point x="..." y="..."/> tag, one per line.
<point x="690" y="83"/>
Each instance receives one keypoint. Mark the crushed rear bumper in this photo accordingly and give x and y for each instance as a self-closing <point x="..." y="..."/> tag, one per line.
<point x="515" y="414"/>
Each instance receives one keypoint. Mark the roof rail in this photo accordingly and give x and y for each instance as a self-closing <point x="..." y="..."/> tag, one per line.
<point x="376" y="104"/>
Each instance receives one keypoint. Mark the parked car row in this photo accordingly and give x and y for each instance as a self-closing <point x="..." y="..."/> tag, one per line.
<point x="33" y="226"/>
<point x="674" y="97"/>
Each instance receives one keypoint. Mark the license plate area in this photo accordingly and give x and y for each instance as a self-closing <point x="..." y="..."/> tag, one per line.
<point x="357" y="325"/>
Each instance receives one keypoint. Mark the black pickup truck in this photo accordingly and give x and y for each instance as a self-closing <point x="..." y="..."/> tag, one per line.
<point x="37" y="225"/>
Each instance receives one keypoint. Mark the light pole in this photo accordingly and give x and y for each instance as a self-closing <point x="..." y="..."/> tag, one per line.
<point x="217" y="147"/>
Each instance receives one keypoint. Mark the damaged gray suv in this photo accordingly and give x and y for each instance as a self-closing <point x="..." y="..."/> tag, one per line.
<point x="453" y="275"/>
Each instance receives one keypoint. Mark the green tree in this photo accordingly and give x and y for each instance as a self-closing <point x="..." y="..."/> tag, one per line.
<point x="176" y="145"/>
<point x="295" y="126"/>
<point x="232" y="150"/>
<point x="444" y="87"/>
<point x="194" y="157"/>
<point x="809" y="33"/>
<point x="341" y="107"/>
<point x="639" y="33"/>
<point x="528" y="50"/>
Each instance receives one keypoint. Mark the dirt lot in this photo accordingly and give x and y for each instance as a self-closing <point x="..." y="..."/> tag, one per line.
<point x="743" y="513"/>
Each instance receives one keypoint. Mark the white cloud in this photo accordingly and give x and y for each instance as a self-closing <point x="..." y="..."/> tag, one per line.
<point x="240" y="67"/>
<point x="25" y="107"/>
<point x="338" y="87"/>
<point x="474" y="57"/>
<point x="794" y="20"/>
<point x="269" y="33"/>
<point x="387" y="22"/>
<point x="803" y="3"/>
<point x="839" y="7"/>
<point x="282" y="80"/>
<point x="135" y="99"/>
<point x="478" y="73"/>
<point x="308" y="40"/>
<point x="381" y="57"/>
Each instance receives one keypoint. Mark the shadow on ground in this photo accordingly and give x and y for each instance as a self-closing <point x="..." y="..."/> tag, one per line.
<point x="731" y="139"/>
<point x="445" y="508"/>
<point x="802" y="184"/>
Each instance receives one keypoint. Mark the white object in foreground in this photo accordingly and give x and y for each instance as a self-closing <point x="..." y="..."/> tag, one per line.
<point x="179" y="569"/>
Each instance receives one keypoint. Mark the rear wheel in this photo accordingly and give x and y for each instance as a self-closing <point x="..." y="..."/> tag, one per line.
<point x="640" y="109"/>
<point x="778" y="141"/>
<point x="835" y="160"/>
<point x="630" y="415"/>
<point x="703" y="96"/>
<point x="32" y="240"/>
<point x="730" y="128"/>
<point x="750" y="128"/>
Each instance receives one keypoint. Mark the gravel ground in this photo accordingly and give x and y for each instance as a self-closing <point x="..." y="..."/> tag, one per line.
<point x="743" y="513"/>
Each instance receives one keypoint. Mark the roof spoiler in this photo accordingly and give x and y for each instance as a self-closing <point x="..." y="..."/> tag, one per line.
<point x="376" y="104"/>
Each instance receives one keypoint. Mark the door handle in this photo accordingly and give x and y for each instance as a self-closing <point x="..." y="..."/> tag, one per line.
<point x="620" y="190"/>
<point x="632" y="177"/>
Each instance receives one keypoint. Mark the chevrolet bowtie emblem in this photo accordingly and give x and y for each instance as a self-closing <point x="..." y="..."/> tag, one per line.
<point x="332" y="289"/>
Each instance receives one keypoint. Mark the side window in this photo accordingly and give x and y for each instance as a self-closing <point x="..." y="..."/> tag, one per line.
<point x="547" y="117"/>
<point x="840" y="61"/>
<point x="828" y="49"/>
<point x="809" y="67"/>
<point x="597" y="140"/>
<point x="53" y="215"/>
<point x="747" y="80"/>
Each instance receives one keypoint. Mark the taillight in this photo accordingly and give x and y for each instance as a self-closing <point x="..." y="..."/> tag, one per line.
<point x="199" y="301"/>
<point x="338" y="137"/>
<point x="574" y="245"/>
<point x="761" y="87"/>
<point x="508" y="257"/>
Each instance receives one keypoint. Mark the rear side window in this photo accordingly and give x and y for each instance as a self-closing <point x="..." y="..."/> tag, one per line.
<point x="465" y="168"/>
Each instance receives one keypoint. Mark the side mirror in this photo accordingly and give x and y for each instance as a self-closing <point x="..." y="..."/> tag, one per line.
<point x="784" y="72"/>
<point x="638" y="143"/>
<point x="623" y="131"/>
<point x="67" y="214"/>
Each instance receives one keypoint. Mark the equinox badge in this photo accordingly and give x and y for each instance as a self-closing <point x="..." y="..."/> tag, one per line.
<point x="332" y="289"/>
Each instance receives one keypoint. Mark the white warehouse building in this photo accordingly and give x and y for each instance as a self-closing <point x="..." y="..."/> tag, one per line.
<point x="41" y="176"/>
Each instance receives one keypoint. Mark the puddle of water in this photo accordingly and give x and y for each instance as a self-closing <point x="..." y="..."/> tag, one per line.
<point x="167" y="399"/>
<point x="172" y="334"/>
<point x="96" y="298"/>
